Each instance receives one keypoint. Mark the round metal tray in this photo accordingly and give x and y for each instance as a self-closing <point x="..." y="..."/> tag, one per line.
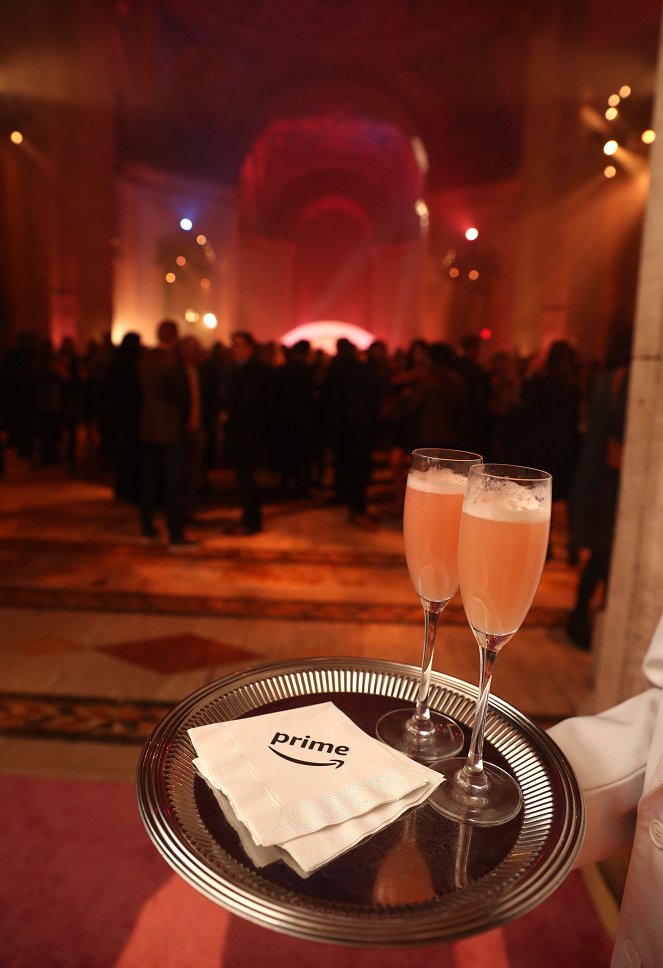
<point x="424" y="878"/>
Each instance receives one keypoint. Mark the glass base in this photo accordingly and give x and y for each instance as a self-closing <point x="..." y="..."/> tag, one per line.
<point x="442" y="738"/>
<point x="485" y="800"/>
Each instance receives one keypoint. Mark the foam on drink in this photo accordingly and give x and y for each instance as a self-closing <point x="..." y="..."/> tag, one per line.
<point x="504" y="500"/>
<point x="441" y="480"/>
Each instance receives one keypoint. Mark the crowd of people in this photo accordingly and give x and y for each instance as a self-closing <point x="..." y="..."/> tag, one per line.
<point x="161" y="419"/>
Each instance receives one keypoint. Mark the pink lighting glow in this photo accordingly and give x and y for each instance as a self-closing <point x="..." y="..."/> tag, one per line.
<point x="324" y="334"/>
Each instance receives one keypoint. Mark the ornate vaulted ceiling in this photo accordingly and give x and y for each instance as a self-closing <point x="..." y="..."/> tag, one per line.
<point x="350" y="81"/>
<point x="294" y="100"/>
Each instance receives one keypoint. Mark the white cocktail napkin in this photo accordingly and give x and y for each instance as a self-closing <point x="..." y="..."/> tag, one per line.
<point x="308" y="780"/>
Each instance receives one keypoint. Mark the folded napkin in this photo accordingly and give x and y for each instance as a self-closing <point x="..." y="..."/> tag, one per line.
<point x="308" y="780"/>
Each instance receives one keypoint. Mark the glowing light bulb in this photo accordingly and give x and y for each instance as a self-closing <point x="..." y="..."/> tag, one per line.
<point x="624" y="90"/>
<point x="472" y="234"/>
<point x="614" y="100"/>
<point x="191" y="316"/>
<point x="473" y="274"/>
<point x="186" y="224"/>
<point x="609" y="171"/>
<point x="610" y="147"/>
<point x="180" y="260"/>
<point x="454" y="273"/>
<point x="204" y="283"/>
<point x="648" y="136"/>
<point x="611" y="114"/>
<point x="209" y="319"/>
<point x="16" y="137"/>
<point x="201" y="239"/>
<point x="170" y="277"/>
<point x="486" y="333"/>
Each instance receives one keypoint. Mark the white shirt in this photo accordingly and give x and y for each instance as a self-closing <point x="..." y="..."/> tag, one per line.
<point x="618" y="759"/>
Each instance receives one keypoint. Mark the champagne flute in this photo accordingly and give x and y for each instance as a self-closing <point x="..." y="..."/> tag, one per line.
<point x="504" y="531"/>
<point x="431" y="517"/>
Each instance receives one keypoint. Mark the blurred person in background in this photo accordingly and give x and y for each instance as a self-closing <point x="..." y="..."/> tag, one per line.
<point x="249" y="398"/>
<point x="166" y="407"/>
<point x="595" y="489"/>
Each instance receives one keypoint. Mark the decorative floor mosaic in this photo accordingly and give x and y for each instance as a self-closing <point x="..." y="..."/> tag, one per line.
<point x="90" y="720"/>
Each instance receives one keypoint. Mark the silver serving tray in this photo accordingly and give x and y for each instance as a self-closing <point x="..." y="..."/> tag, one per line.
<point x="424" y="878"/>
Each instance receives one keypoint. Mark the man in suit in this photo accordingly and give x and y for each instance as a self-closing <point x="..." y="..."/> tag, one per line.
<point x="166" y="405"/>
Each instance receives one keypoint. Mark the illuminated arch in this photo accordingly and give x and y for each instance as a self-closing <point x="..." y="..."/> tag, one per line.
<point x="323" y="334"/>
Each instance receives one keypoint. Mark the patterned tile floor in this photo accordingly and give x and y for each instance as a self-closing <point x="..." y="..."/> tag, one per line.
<point x="101" y="635"/>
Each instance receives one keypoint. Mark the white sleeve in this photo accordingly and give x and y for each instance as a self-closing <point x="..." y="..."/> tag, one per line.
<point x="609" y="754"/>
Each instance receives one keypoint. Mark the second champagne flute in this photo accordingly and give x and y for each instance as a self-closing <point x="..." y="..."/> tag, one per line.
<point x="431" y="519"/>
<point x="503" y="540"/>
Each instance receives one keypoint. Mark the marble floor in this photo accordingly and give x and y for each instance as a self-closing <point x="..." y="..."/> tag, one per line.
<point x="101" y="634"/>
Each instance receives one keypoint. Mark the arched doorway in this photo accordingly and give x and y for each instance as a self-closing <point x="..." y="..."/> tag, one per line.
<point x="328" y="226"/>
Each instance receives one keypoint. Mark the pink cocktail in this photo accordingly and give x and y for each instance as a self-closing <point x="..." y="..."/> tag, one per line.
<point x="431" y="522"/>
<point x="503" y="554"/>
<point x="504" y="530"/>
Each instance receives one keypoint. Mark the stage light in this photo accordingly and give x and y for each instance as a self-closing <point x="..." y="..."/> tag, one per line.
<point x="472" y="234"/>
<point x="186" y="224"/>
<point x="209" y="319"/>
<point x="648" y="136"/>
<point x="610" y="147"/>
<point x="16" y="137"/>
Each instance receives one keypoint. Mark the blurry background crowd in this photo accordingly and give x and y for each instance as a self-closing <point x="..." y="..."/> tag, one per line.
<point x="156" y="422"/>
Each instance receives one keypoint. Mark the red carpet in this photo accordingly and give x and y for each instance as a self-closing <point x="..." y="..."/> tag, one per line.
<point x="83" y="887"/>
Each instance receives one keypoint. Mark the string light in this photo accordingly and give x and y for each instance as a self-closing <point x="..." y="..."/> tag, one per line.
<point x="610" y="147"/>
<point x="609" y="171"/>
<point x="648" y="136"/>
<point x="16" y="137"/>
<point x="611" y="114"/>
<point x="614" y="100"/>
<point x="624" y="91"/>
<point x="454" y="273"/>
<point x="170" y="277"/>
<point x="473" y="274"/>
<point x="180" y="260"/>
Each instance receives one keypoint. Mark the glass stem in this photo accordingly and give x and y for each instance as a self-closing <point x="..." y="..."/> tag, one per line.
<point x="421" y="721"/>
<point x="475" y="756"/>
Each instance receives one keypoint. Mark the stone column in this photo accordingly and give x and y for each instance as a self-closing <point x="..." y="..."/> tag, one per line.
<point x="635" y="590"/>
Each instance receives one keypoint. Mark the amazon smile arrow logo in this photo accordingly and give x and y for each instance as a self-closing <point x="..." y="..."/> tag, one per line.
<point x="334" y="763"/>
<point x="306" y="743"/>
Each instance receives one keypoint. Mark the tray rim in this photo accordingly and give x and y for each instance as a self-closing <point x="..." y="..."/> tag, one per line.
<point x="163" y="824"/>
